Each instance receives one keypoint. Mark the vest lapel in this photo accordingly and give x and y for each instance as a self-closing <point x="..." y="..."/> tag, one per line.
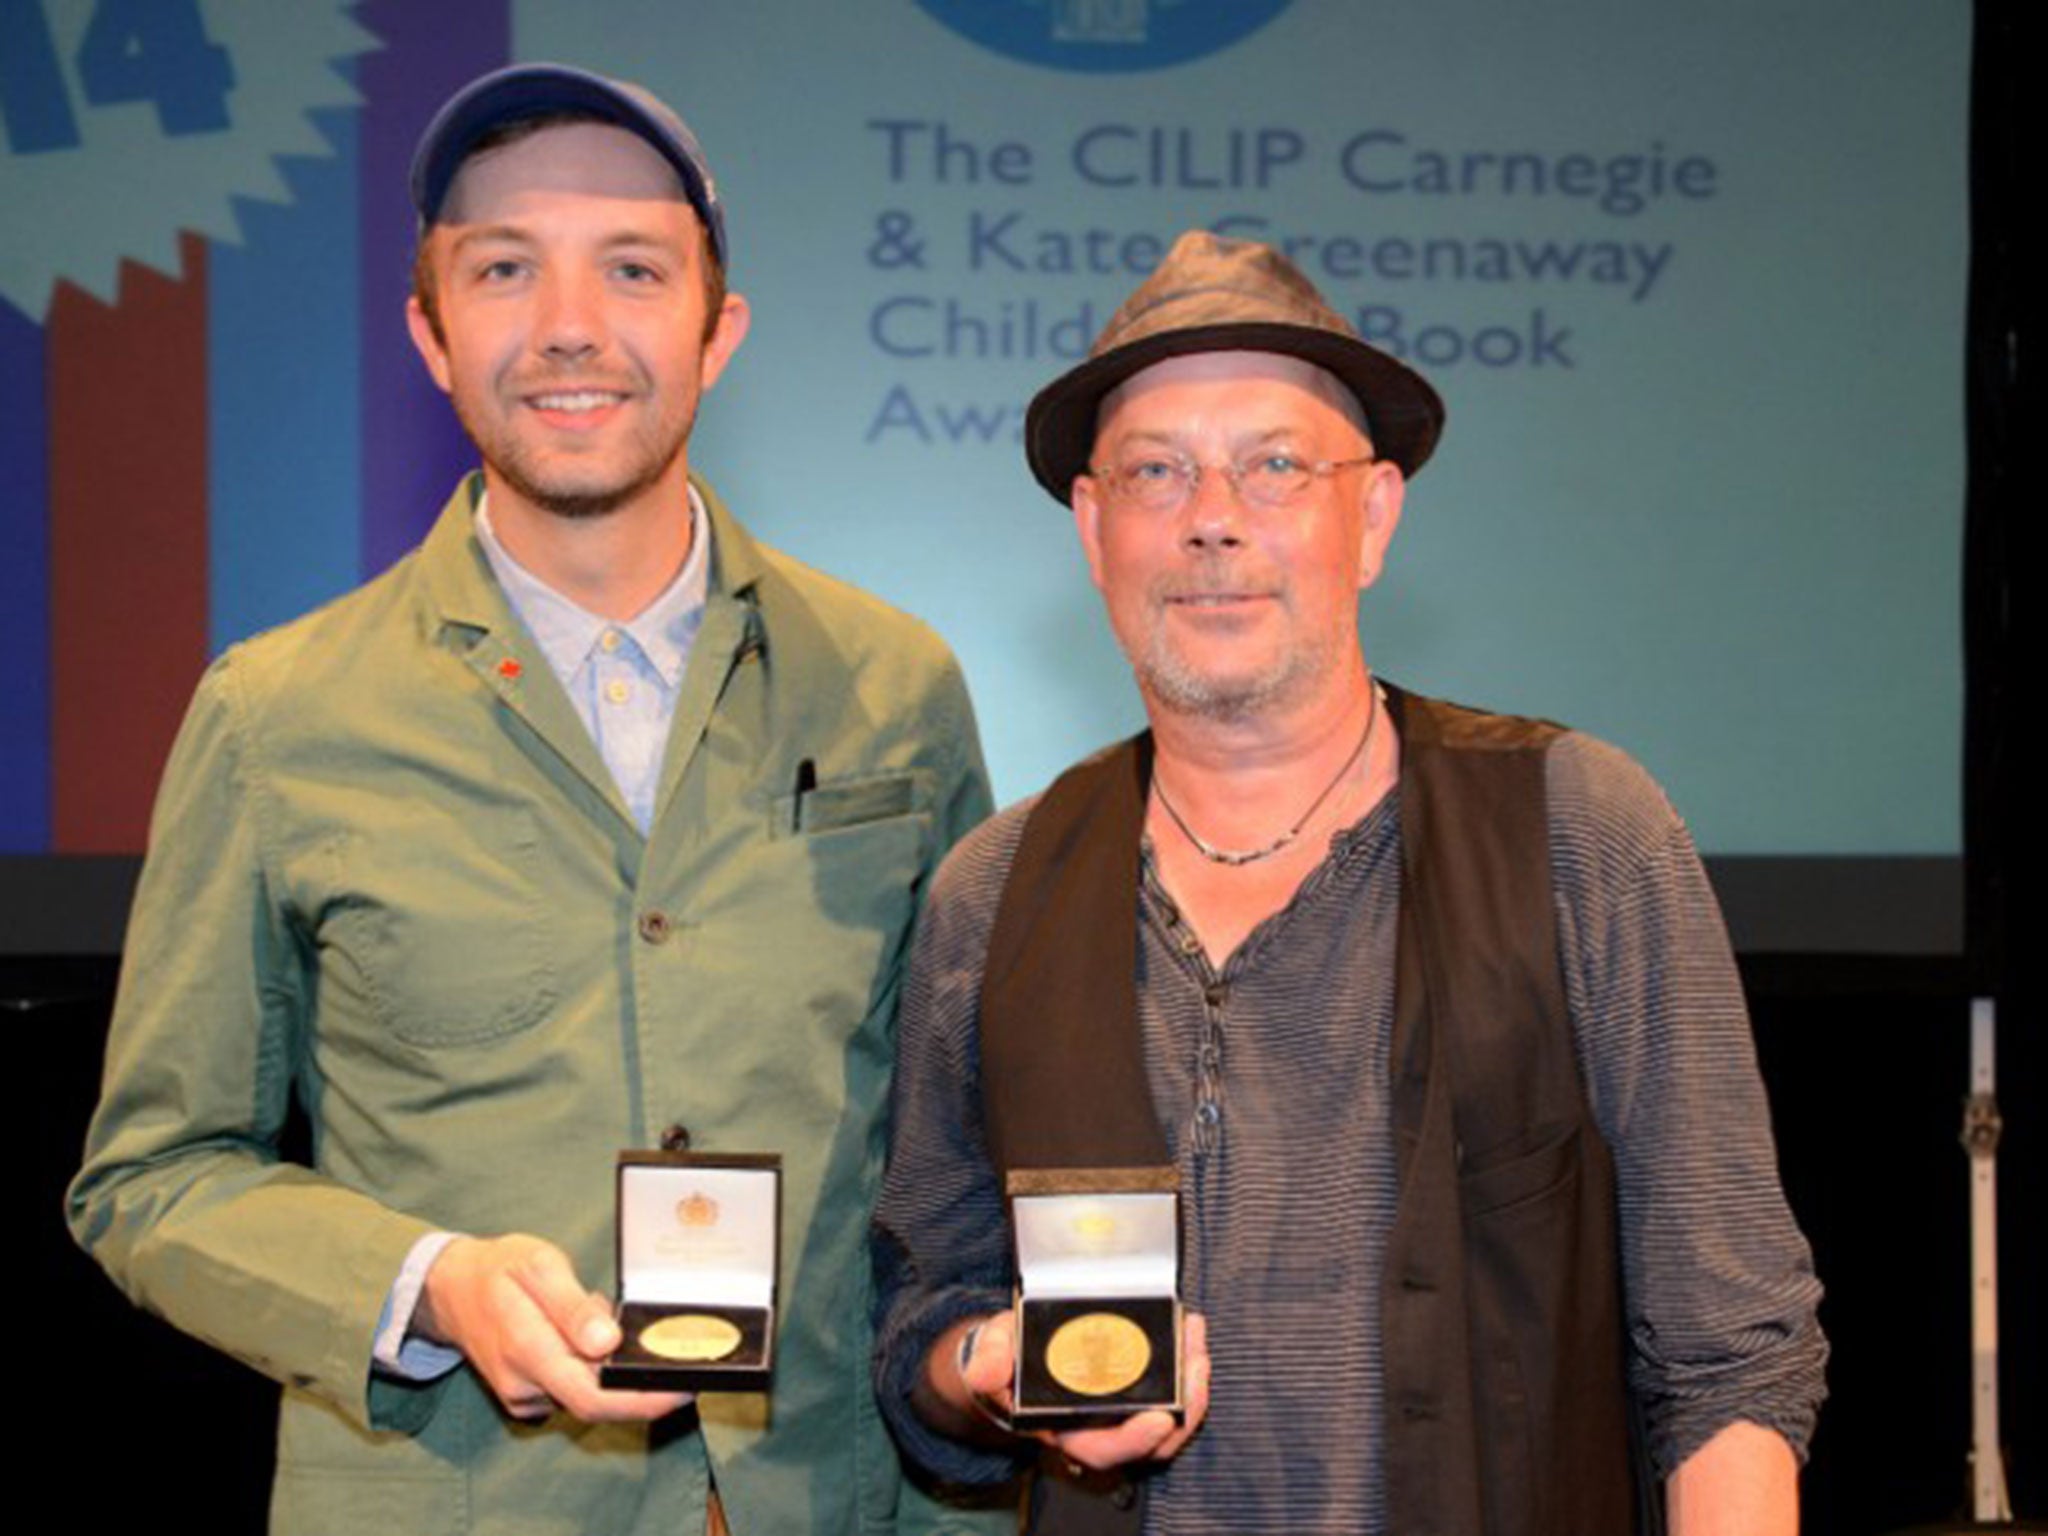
<point x="1063" y="1066"/>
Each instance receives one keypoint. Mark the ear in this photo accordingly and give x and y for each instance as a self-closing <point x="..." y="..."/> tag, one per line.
<point x="1088" y="523"/>
<point x="426" y="343"/>
<point x="734" y="317"/>
<point x="1386" y="488"/>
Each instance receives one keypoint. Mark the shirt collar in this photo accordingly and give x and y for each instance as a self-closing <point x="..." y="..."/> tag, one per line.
<point x="566" y="632"/>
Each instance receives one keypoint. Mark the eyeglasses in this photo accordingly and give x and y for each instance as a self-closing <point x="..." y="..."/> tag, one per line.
<point x="1164" y="482"/>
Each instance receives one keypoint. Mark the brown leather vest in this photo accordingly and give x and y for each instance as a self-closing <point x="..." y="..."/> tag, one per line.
<point x="1506" y="1409"/>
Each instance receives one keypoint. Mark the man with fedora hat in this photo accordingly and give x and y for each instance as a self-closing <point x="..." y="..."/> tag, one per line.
<point x="591" y="826"/>
<point x="1430" y="1010"/>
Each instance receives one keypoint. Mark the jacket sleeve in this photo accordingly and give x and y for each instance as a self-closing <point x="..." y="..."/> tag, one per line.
<point x="184" y="1197"/>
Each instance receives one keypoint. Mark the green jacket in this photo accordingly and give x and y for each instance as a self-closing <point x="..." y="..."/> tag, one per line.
<point x="390" y="874"/>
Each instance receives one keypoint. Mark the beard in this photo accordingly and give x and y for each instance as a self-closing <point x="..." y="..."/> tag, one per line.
<point x="563" y="498"/>
<point x="1231" y="693"/>
<point x="1228" y="698"/>
<point x="569" y="488"/>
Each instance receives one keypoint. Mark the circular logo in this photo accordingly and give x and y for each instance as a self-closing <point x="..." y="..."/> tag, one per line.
<point x="1105" y="36"/>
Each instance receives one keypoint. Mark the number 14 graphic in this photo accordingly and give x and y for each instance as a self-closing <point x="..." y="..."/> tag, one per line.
<point x="133" y="50"/>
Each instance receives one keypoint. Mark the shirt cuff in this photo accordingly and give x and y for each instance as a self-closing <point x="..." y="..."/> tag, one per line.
<point x="397" y="1351"/>
<point x="900" y="1359"/>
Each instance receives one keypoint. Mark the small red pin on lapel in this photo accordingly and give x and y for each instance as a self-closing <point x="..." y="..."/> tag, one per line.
<point x="509" y="669"/>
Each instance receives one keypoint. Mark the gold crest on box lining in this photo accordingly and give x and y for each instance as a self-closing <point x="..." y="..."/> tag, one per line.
<point x="696" y="1209"/>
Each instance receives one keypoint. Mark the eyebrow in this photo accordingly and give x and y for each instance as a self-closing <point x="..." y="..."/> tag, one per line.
<point x="1252" y="437"/>
<point x="514" y="234"/>
<point x="489" y="234"/>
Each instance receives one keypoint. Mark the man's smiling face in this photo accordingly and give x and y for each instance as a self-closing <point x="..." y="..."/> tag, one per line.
<point x="568" y="276"/>
<point x="1227" y="609"/>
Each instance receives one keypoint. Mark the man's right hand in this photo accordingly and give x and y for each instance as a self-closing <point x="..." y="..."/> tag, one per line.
<point x="516" y="1310"/>
<point x="972" y="1388"/>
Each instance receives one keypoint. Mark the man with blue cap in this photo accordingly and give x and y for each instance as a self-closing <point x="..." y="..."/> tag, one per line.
<point x="593" y="825"/>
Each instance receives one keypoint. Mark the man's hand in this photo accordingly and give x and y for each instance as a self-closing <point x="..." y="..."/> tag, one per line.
<point x="516" y="1310"/>
<point x="979" y="1390"/>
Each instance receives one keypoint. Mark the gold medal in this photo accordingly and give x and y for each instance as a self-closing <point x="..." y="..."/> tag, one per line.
<point x="1097" y="1354"/>
<point x="690" y="1336"/>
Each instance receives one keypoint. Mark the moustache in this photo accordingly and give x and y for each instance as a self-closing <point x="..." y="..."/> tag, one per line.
<point x="1208" y="586"/>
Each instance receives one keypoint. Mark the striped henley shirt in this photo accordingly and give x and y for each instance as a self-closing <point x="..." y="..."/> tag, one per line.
<point x="1270" y="1079"/>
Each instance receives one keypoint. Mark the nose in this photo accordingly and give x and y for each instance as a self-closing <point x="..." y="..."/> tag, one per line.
<point x="570" y="323"/>
<point x="1213" y="516"/>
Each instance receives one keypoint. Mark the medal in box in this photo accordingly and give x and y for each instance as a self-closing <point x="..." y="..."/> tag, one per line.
<point x="698" y="1237"/>
<point x="1098" y="1294"/>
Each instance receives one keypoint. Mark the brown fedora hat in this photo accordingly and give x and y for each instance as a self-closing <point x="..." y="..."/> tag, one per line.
<point x="1215" y="294"/>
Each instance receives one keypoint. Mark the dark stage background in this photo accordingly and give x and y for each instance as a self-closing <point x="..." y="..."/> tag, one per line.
<point x="1866" y="1065"/>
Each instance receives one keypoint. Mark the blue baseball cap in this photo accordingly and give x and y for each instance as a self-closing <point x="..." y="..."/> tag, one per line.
<point x="538" y="90"/>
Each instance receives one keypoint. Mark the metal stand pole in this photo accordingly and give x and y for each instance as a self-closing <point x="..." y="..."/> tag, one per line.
<point x="1981" y="1126"/>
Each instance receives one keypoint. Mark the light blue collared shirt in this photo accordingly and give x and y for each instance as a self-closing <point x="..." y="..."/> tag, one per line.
<point x="622" y="678"/>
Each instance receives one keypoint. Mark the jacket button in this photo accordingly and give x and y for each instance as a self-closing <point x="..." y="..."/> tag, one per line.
<point x="676" y="1138"/>
<point x="1123" y="1495"/>
<point x="656" y="926"/>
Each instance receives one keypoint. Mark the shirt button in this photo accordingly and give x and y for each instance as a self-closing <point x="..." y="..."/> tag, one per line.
<point x="656" y="925"/>
<point x="617" y="690"/>
<point x="609" y="640"/>
<point x="1208" y="1112"/>
<point x="676" y="1138"/>
<point x="1215" y="994"/>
